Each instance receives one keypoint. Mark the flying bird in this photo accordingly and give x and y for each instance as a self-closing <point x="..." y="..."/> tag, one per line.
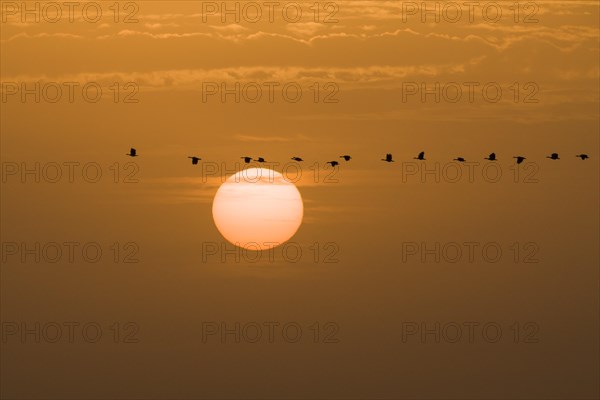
<point x="553" y="156"/>
<point x="260" y="160"/>
<point x="132" y="153"/>
<point x="346" y="157"/>
<point x="583" y="156"/>
<point x="520" y="159"/>
<point x="195" y="160"/>
<point x="246" y="159"/>
<point x="333" y="163"/>
<point x="297" y="159"/>
<point x="421" y="156"/>
<point x="491" y="157"/>
<point x="388" y="158"/>
<point x="460" y="159"/>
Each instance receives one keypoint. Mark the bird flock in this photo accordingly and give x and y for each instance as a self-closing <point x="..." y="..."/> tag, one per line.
<point x="388" y="158"/>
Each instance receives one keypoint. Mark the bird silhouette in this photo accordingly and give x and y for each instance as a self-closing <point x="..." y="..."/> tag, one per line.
<point x="520" y="159"/>
<point x="333" y="163"/>
<point x="246" y="159"/>
<point x="491" y="157"/>
<point x="388" y="158"/>
<point x="460" y="159"/>
<point x="260" y="160"/>
<point x="195" y="160"/>
<point x="346" y="157"/>
<point x="132" y="153"/>
<point x="583" y="156"/>
<point x="421" y="156"/>
<point x="553" y="156"/>
<point x="297" y="159"/>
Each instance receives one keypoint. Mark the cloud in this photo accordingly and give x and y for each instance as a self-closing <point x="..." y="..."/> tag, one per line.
<point x="163" y="36"/>
<point x="233" y="28"/>
<point x="42" y="35"/>
<point x="181" y="190"/>
<point x="305" y="29"/>
<point x="158" y="25"/>
<point x="249" y="138"/>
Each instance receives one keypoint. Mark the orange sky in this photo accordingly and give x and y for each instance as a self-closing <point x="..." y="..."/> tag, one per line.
<point x="363" y="61"/>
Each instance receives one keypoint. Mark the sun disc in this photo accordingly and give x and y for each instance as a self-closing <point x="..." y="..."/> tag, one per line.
<point x="257" y="209"/>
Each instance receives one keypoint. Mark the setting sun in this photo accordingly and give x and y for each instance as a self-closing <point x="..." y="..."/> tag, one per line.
<point x="257" y="209"/>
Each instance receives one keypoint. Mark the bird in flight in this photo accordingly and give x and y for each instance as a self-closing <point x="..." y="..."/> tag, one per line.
<point x="553" y="156"/>
<point x="583" y="156"/>
<point x="297" y="159"/>
<point x="388" y="158"/>
<point x="460" y="159"/>
<point x="421" y="156"/>
<point x="195" y="160"/>
<point x="519" y="159"/>
<point x="333" y="163"/>
<point x="260" y="160"/>
<point x="246" y="159"/>
<point x="346" y="157"/>
<point x="491" y="157"/>
<point x="132" y="153"/>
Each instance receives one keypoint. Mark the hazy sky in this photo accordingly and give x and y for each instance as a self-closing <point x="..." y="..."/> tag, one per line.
<point x="187" y="78"/>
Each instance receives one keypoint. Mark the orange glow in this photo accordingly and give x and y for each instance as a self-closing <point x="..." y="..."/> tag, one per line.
<point x="257" y="208"/>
